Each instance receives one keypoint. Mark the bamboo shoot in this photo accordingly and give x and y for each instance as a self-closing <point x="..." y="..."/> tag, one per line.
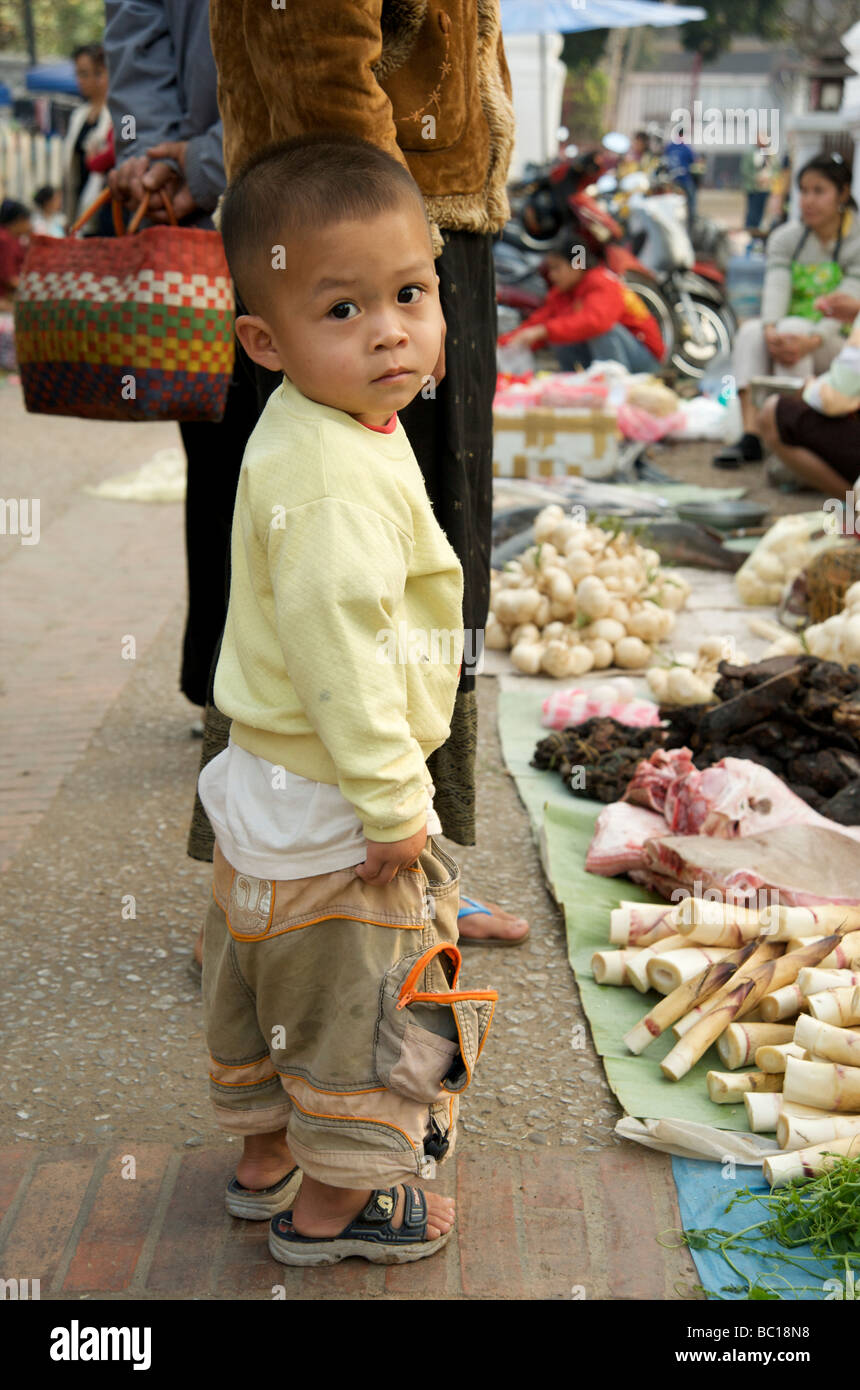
<point x="807" y="1163"/>
<point x="740" y="1042"/>
<point x="783" y="923"/>
<point x="637" y="974"/>
<point x="664" y="1014"/>
<point x="773" y="1056"/>
<point x="666" y="972"/>
<point x="763" y="1111"/>
<point x="824" y="1085"/>
<point x="759" y="953"/>
<point x="795" y="1133"/>
<point x="835" y="1006"/>
<point x="833" y="1044"/>
<point x="842" y="957"/>
<point x="724" y="1088"/>
<point x="611" y="967"/>
<point x="787" y="1002"/>
<point x="813" y="979"/>
<point x="629" y="923"/>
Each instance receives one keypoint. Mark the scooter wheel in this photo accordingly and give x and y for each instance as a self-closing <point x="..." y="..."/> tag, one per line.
<point x="657" y="304"/>
<point x="716" y="331"/>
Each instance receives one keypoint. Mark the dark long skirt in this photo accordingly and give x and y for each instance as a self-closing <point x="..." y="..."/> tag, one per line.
<point x="451" y="433"/>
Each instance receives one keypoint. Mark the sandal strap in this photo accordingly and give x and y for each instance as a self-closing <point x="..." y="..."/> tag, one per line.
<point x="373" y="1224"/>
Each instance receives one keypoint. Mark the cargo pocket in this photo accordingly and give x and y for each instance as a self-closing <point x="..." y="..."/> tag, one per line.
<point x="428" y="1041"/>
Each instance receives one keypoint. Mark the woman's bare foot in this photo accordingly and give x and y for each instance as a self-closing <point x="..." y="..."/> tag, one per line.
<point x="265" y="1160"/>
<point x="495" y="923"/>
<point x="325" y="1211"/>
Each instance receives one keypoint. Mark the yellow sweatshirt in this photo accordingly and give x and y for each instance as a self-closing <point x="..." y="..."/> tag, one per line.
<point x="343" y="638"/>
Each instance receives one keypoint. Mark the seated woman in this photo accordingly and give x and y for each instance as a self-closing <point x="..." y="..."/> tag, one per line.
<point x="589" y="314"/>
<point x="805" y="260"/>
<point x="817" y="435"/>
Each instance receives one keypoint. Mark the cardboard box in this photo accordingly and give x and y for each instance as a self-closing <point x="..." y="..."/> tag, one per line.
<point x="549" y="442"/>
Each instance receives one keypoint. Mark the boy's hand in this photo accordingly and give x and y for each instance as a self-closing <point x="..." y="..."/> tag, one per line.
<point x="383" y="860"/>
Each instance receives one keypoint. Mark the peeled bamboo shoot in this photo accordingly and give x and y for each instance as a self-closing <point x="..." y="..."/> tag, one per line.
<point x="740" y="1042"/>
<point x="629" y="923"/>
<point x="763" y="1111"/>
<point x="806" y="1163"/>
<point x="611" y="967"/>
<point x="834" y="1044"/>
<point x="783" y="923"/>
<point x="824" y="1085"/>
<point x="724" y="1088"/>
<point x="793" y="1132"/>
<point x="666" y="972"/>
<point x="835" y="1006"/>
<point x="813" y="979"/>
<point x="773" y="1056"/>
<point x="709" y="923"/>
<point x="783" y="1003"/>
<point x="664" y="1014"/>
<point x="637" y="974"/>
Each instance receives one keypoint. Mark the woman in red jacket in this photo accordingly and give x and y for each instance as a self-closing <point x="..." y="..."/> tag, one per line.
<point x="589" y="315"/>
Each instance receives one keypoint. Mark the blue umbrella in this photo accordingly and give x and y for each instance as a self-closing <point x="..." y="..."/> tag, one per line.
<point x="570" y="17"/>
<point x="573" y="16"/>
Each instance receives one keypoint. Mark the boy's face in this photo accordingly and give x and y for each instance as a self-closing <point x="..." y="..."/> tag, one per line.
<point x="357" y="300"/>
<point x="561" y="274"/>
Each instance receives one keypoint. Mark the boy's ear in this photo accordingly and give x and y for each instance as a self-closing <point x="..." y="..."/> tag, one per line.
<point x="256" y="338"/>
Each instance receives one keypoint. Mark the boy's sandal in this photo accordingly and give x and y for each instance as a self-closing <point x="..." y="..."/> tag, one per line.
<point x="472" y="907"/>
<point x="370" y="1236"/>
<point x="265" y="1203"/>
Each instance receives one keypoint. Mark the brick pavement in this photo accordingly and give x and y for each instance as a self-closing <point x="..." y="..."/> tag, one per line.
<point x="539" y="1227"/>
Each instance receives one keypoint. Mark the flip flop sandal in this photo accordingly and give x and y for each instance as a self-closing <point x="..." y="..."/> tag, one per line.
<point x="265" y="1203"/>
<point x="469" y="911"/>
<point x="370" y="1236"/>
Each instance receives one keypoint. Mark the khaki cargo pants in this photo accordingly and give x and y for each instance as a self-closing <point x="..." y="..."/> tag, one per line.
<point x="332" y="1008"/>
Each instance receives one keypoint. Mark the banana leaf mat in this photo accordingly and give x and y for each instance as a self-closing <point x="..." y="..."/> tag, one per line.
<point x="563" y="825"/>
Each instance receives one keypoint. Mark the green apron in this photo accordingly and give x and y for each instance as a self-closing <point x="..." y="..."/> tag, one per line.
<point x="810" y="281"/>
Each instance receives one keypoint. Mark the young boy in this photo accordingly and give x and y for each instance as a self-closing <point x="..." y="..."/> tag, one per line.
<point x="589" y="314"/>
<point x="329" y="963"/>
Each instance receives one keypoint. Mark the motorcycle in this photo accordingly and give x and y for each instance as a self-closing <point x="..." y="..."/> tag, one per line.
<point x="692" y="281"/>
<point x="553" y="196"/>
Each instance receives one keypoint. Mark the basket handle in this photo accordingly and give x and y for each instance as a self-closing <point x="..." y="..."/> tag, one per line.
<point x="135" y="222"/>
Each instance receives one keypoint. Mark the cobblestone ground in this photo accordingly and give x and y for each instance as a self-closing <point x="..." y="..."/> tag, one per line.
<point x="102" y="1055"/>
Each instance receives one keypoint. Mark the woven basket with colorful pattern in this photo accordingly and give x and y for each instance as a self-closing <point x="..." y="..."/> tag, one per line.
<point x="136" y="327"/>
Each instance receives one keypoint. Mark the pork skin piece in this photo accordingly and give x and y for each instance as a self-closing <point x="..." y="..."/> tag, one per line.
<point x="620" y="834"/>
<point x="803" y="865"/>
<point x="732" y="798"/>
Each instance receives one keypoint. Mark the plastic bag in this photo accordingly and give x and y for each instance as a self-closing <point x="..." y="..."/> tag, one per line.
<point x="782" y="553"/>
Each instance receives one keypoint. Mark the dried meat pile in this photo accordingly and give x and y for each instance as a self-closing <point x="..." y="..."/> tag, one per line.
<point x="597" y="758"/>
<point x="796" y="715"/>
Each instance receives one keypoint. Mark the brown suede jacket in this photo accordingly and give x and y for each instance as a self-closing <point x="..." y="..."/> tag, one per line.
<point x="427" y="82"/>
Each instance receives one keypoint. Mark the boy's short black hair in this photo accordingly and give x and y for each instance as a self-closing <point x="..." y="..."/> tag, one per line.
<point x="294" y="186"/>
<point x="570" y="240"/>
<point x="44" y="195"/>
